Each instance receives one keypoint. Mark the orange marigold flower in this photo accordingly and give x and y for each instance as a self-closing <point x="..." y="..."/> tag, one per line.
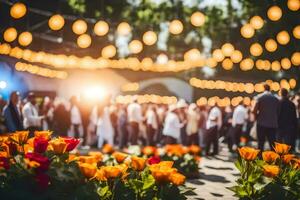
<point x="288" y="158"/>
<point x="270" y="156"/>
<point x="137" y="163"/>
<point x="107" y="148"/>
<point x="44" y="134"/>
<point x="88" y="170"/>
<point x="100" y="175"/>
<point x="162" y="171"/>
<point x="271" y="170"/>
<point x="194" y="149"/>
<point x="119" y="156"/>
<point x="98" y="156"/>
<point x="20" y="137"/>
<point x="58" y="145"/>
<point x="281" y="148"/>
<point x="112" y="171"/>
<point x="175" y="149"/>
<point x="87" y="159"/>
<point x="248" y="153"/>
<point x="149" y="150"/>
<point x="177" y="178"/>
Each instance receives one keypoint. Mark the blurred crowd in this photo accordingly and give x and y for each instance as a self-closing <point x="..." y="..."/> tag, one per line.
<point x="272" y="118"/>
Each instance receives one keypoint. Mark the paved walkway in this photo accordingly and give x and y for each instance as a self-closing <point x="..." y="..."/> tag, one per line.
<point x="216" y="173"/>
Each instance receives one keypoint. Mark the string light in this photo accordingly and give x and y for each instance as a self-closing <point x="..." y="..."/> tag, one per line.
<point x="227" y="64"/>
<point x="293" y="5"/>
<point x="283" y="37"/>
<point x="147" y="98"/>
<point x="25" y="38"/>
<point x="175" y="27"/>
<point x="101" y="28"/>
<point x="247" y="31"/>
<point x="192" y="55"/>
<point x="286" y="63"/>
<point x="197" y="19"/>
<point x="149" y="38"/>
<point x="271" y="45"/>
<point x="218" y="55"/>
<point x="84" y="41"/>
<point x="18" y="10"/>
<point x="247" y="64"/>
<point x="256" y="49"/>
<point x="109" y="51"/>
<point x="257" y="22"/>
<point x="135" y="46"/>
<point x="275" y="65"/>
<point x="79" y="27"/>
<point x="296" y="32"/>
<point x="296" y="58"/>
<point x="227" y="49"/>
<point x="10" y="34"/>
<point x="124" y="29"/>
<point x="211" y="62"/>
<point x="56" y="22"/>
<point x="236" y="56"/>
<point x="274" y="13"/>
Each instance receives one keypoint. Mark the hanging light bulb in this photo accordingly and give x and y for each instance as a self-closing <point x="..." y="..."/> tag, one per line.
<point x="257" y="22"/>
<point x="236" y="56"/>
<point x="147" y="63"/>
<point x="227" y="49"/>
<point x="175" y="27"/>
<point x="227" y="64"/>
<point x="18" y="10"/>
<point x="247" y="31"/>
<point x="218" y="55"/>
<point x="256" y="49"/>
<point x="274" y="13"/>
<point x="275" y="65"/>
<point x="283" y="37"/>
<point x="56" y="22"/>
<point x="124" y="28"/>
<point x="135" y="46"/>
<point x="162" y="59"/>
<point x="79" y="27"/>
<point x="192" y="55"/>
<point x="286" y="63"/>
<point x="149" y="38"/>
<point x="296" y="58"/>
<point x="84" y="41"/>
<point x="292" y="83"/>
<point x="211" y="62"/>
<point x="296" y="32"/>
<point x="25" y="38"/>
<point x="10" y="34"/>
<point x="271" y="45"/>
<point x="197" y="19"/>
<point x="109" y="51"/>
<point x="247" y="64"/>
<point x="293" y="5"/>
<point x="101" y="28"/>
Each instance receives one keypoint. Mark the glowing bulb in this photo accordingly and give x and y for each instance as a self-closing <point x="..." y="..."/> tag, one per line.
<point x="124" y="28"/>
<point x="56" y="22"/>
<point x="176" y="27"/>
<point x="18" y="10"/>
<point x="25" y="38"/>
<point x="236" y="56"/>
<point x="10" y="34"/>
<point x="3" y="85"/>
<point x="227" y="64"/>
<point x="293" y="5"/>
<point x="192" y="55"/>
<point x="197" y="19"/>
<point x="257" y="22"/>
<point x="79" y="27"/>
<point x="109" y="51"/>
<point x="274" y="13"/>
<point x="101" y="28"/>
<point x="218" y="55"/>
<point x="283" y="37"/>
<point x="227" y="49"/>
<point x="256" y="49"/>
<point x="162" y="59"/>
<point x="286" y="63"/>
<point x="247" y="64"/>
<point x="296" y="58"/>
<point x="135" y="46"/>
<point x="84" y="41"/>
<point x="149" y="38"/>
<point x="271" y="45"/>
<point x="247" y="31"/>
<point x="296" y="32"/>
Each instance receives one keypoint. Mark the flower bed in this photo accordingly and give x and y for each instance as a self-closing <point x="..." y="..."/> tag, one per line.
<point x="274" y="175"/>
<point x="43" y="168"/>
<point x="186" y="159"/>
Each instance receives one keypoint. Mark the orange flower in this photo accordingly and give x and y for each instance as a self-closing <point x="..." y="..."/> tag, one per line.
<point x="119" y="156"/>
<point x="288" y="158"/>
<point x="166" y="164"/>
<point x="194" y="149"/>
<point x="58" y="145"/>
<point x="100" y="175"/>
<point x="149" y="150"/>
<point x="270" y="156"/>
<point x="44" y="134"/>
<point x="248" y="153"/>
<point x="177" y="178"/>
<point x="162" y="171"/>
<point x="107" y="148"/>
<point x="20" y="137"/>
<point x="87" y="159"/>
<point x="98" y="156"/>
<point x="137" y="163"/>
<point x="296" y="163"/>
<point x="88" y="170"/>
<point x="271" y="170"/>
<point x="112" y="171"/>
<point x="281" y="148"/>
<point x="28" y="148"/>
<point x="3" y="154"/>
<point x="175" y="149"/>
<point x="72" y="157"/>
<point x="31" y="164"/>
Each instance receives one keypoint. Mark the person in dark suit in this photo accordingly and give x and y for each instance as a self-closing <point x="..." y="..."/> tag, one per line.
<point x="287" y="120"/>
<point x="266" y="112"/>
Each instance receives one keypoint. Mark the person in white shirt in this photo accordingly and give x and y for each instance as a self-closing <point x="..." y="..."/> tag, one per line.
<point x="134" y="113"/>
<point x="192" y="124"/>
<point x="213" y="125"/>
<point x="172" y="125"/>
<point x="152" y="124"/>
<point x="75" y="116"/>
<point x="32" y="120"/>
<point x="240" y="114"/>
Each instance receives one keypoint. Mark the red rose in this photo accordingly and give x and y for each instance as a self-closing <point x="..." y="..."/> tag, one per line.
<point x="71" y="143"/>
<point x="42" y="160"/>
<point x="154" y="160"/>
<point x="42" y="180"/>
<point x="4" y="163"/>
<point x="40" y="144"/>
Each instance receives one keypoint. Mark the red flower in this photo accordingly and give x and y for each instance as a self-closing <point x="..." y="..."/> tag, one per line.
<point x="71" y="143"/>
<point x="40" y="144"/>
<point x="42" y="180"/>
<point x="4" y="163"/>
<point x="42" y="160"/>
<point x="154" y="160"/>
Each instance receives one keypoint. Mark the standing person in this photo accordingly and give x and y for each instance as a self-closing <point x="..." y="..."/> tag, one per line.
<point x="12" y="113"/>
<point x="32" y="120"/>
<point x="266" y="112"/>
<point x="75" y="117"/>
<point x="122" y="125"/>
<point x="172" y="125"/>
<point x="238" y="121"/>
<point x="161" y="114"/>
<point x="192" y="125"/>
<point x="213" y="125"/>
<point x="287" y="120"/>
<point x="152" y="124"/>
<point x="134" y="112"/>
<point x="182" y="114"/>
<point x="202" y="125"/>
<point x="61" y="119"/>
